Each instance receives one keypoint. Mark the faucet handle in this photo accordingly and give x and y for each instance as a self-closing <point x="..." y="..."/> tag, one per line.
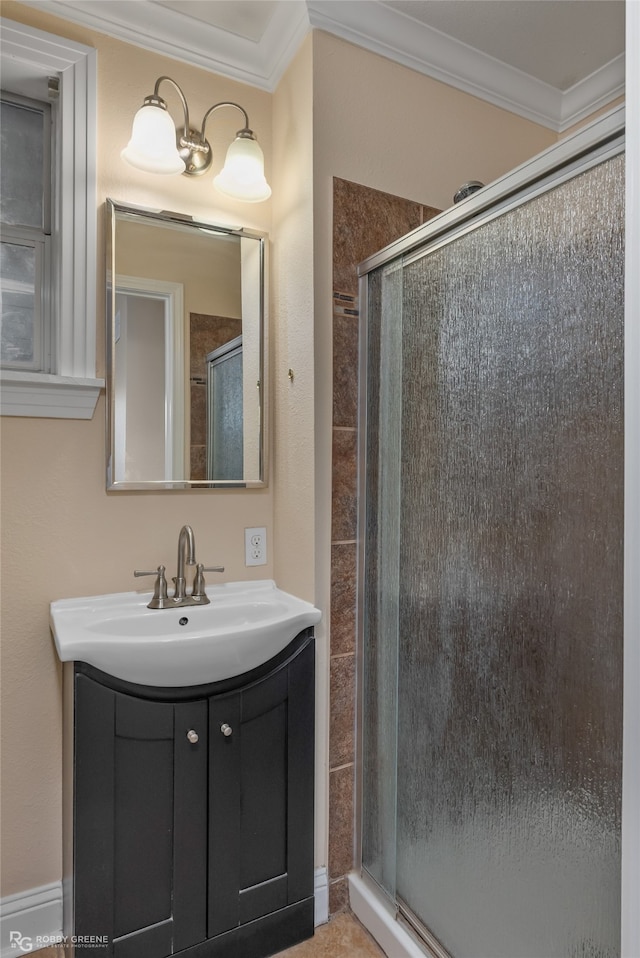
<point x="198" y="592"/>
<point x="159" y="600"/>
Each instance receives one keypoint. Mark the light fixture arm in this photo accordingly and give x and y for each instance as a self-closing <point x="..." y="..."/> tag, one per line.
<point x="218" y="106"/>
<point x="193" y="148"/>
<point x="158" y="100"/>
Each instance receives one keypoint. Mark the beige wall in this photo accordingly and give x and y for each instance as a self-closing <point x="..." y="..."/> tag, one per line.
<point x="62" y="534"/>
<point x="208" y="267"/>
<point x="292" y="276"/>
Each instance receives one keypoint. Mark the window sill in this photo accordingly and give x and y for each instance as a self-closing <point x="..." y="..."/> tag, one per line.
<point x="45" y="396"/>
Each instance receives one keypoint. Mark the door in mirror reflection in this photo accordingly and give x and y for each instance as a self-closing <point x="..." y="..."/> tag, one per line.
<point x="148" y="383"/>
<point x="184" y="290"/>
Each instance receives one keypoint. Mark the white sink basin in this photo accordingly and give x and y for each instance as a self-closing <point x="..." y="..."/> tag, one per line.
<point x="245" y="624"/>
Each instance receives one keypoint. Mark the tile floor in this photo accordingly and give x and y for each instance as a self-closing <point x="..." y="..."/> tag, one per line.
<point x="342" y="937"/>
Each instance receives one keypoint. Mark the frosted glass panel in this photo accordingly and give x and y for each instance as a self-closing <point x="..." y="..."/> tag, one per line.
<point x="510" y="580"/>
<point x="22" y="165"/>
<point x="19" y="320"/>
<point x="225" y="424"/>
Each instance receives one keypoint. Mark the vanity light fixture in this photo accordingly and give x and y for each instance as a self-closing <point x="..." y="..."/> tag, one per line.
<point x="157" y="147"/>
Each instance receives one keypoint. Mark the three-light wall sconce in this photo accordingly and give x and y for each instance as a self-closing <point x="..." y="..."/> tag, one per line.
<point x="157" y="147"/>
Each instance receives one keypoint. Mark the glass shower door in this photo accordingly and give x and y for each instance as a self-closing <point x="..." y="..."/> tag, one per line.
<point x="382" y="583"/>
<point x="225" y="424"/>
<point x="500" y="652"/>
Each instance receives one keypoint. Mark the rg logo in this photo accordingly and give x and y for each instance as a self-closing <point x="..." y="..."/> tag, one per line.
<point x="20" y="941"/>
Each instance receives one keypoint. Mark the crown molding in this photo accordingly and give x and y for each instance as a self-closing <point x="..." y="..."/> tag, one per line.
<point x="593" y="93"/>
<point x="165" y="31"/>
<point x="286" y="30"/>
<point x="370" y="24"/>
<point x="397" y="36"/>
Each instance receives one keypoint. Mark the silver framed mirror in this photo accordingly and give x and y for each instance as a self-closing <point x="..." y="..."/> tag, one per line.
<point x="186" y="352"/>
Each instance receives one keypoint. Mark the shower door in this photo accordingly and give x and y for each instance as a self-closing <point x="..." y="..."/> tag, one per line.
<point x="225" y="429"/>
<point x="491" y="581"/>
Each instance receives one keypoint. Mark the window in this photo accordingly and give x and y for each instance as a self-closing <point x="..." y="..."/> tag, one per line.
<point x="48" y="251"/>
<point x="25" y="247"/>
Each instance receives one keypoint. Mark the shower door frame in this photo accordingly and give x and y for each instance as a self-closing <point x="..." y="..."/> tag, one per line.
<point x="595" y="143"/>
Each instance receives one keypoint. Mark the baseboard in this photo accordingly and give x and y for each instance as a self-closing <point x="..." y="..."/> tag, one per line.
<point x="36" y="915"/>
<point x="30" y="920"/>
<point x="321" y="893"/>
<point x="379" y="920"/>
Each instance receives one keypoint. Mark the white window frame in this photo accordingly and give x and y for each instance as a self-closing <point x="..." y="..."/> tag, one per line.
<point x="71" y="390"/>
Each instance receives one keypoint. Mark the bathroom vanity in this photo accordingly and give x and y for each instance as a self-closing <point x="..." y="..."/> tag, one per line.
<point x="193" y="812"/>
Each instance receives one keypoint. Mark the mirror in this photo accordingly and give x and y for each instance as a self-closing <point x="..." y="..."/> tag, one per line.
<point x="186" y="352"/>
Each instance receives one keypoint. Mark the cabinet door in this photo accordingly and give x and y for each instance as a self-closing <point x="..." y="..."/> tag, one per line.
<point x="140" y="823"/>
<point x="261" y="796"/>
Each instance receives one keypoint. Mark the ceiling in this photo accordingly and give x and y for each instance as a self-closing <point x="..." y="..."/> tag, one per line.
<point x="552" y="61"/>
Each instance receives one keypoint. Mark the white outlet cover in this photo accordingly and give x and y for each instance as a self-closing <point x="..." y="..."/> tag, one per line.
<point x="255" y="546"/>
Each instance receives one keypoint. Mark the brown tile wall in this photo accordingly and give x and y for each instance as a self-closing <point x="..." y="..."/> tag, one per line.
<point x="364" y="221"/>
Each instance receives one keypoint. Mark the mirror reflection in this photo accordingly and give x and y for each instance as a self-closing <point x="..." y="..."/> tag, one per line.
<point x="186" y="339"/>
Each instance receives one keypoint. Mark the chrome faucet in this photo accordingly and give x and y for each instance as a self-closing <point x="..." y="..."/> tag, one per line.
<point x="186" y="555"/>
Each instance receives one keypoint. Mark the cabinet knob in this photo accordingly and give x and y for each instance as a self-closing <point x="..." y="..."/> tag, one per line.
<point x="192" y="736"/>
<point x="226" y="730"/>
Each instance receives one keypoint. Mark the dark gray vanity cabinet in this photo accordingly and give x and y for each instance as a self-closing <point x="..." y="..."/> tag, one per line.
<point x="193" y="813"/>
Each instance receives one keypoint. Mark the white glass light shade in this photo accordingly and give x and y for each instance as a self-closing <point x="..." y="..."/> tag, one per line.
<point x="152" y="146"/>
<point x="242" y="176"/>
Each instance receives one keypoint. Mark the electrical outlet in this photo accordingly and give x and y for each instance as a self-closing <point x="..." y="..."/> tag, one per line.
<point x="255" y="546"/>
